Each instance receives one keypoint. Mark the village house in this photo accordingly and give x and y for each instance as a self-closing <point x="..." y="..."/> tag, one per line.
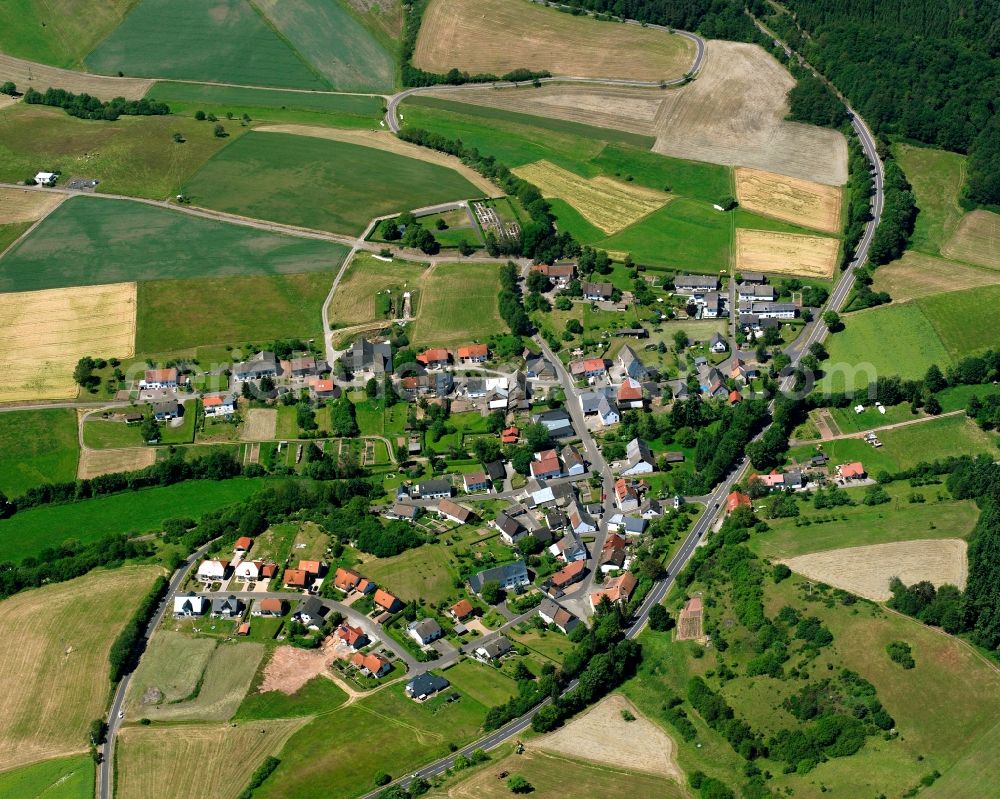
<point x="314" y="568"/>
<point x="296" y="578"/>
<point x="436" y="358"/>
<point x="354" y="637"/>
<point x="404" y="511"/>
<point x="364" y="356"/>
<point x="546" y="465"/>
<point x="696" y="286"/>
<point x="754" y="292"/>
<point x="247" y="570"/>
<point x="461" y="610"/>
<point x="305" y="366"/>
<point x="165" y="410"/>
<point x="551" y="612"/>
<point x="474" y="482"/>
<point x="263" y="364"/>
<point x="346" y="580"/>
<point x="713" y="306"/>
<point x="269" y="607"/>
<point x="597" y="292"/>
<point x="774" y="310"/>
<point x="539" y="368"/>
<point x="511" y="531"/>
<point x="494" y="650"/>
<point x="557" y="422"/>
<point x="210" y="571"/>
<point x="310" y="613"/>
<point x="639" y="458"/>
<point x="243" y="545"/>
<point x="473" y="353"/>
<point x="630" y="364"/>
<point x="616" y="590"/>
<point x="510" y="435"/>
<point x="424" y="631"/>
<point x="629" y="394"/>
<point x="226" y="607"/>
<point x="736" y="500"/>
<point x="433" y="489"/>
<point x="717" y="343"/>
<point x="159" y="378"/>
<point x="371" y="665"/>
<point x="626" y="497"/>
<point x="558" y="274"/>
<point x="580" y="520"/>
<point x="568" y="575"/>
<point x="324" y="388"/>
<point x="510" y="576"/>
<point x="569" y="549"/>
<point x="454" y="512"/>
<point x="425" y="685"/>
<point x="189" y="604"/>
<point x="387" y="602"/>
<point x="573" y="463"/>
<point x="613" y="554"/>
<point x="497" y="472"/>
<point x="757" y="278"/>
<point x="851" y="471"/>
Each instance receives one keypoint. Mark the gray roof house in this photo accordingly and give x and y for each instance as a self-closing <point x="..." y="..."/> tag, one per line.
<point x="424" y="631"/>
<point x="261" y="364"/>
<point x="551" y="612"/>
<point x="580" y="520"/>
<point x="433" y="489"/>
<point x="226" y="607"/>
<point x="310" y="612"/>
<point x="640" y="458"/>
<point x="494" y="649"/>
<point x="539" y="367"/>
<point x="510" y="575"/>
<point x="573" y="464"/>
<point x="630" y="362"/>
<point x="717" y="343"/>
<point x="363" y="356"/>
<point x="425" y="685"/>
<point x="557" y="422"/>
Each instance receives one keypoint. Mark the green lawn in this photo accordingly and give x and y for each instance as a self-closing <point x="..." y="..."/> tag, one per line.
<point x="458" y="306"/>
<point x="956" y="398"/>
<point x="37" y="447"/>
<point x="892" y="340"/>
<point x="319" y="694"/>
<point x="937" y="178"/>
<point x="965" y="321"/>
<point x="485" y="684"/>
<point x="105" y="434"/>
<point x="383" y="732"/>
<point x="63" y="778"/>
<point x="269" y="105"/>
<point x="58" y="32"/>
<point x="357" y="297"/>
<point x="11" y="233"/>
<point x="426" y="573"/>
<point x="87" y="241"/>
<point x="30" y="531"/>
<point x="974" y="775"/>
<point x="135" y="156"/>
<point x="226" y="41"/>
<point x="328" y="37"/>
<point x="862" y="525"/>
<point x="178" y="314"/>
<point x="319" y="183"/>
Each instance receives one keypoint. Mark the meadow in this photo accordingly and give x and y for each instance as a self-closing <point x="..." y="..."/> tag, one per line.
<point x="426" y="573"/>
<point x="319" y="183"/>
<point x="106" y="434"/>
<point x="937" y="178"/>
<point x="155" y="762"/>
<point x="976" y="240"/>
<point x="458" y="306"/>
<point x="135" y="156"/>
<point x="62" y="778"/>
<point x="60" y="664"/>
<point x="225" y="41"/>
<point x="272" y="105"/>
<point x="367" y="277"/>
<point x="30" y="531"/>
<point x="173" y="664"/>
<point x="89" y="241"/>
<point x="177" y="314"/>
<point x="58" y="32"/>
<point x="907" y="345"/>
<point x="918" y="275"/>
<point x="37" y="447"/>
<point x="964" y="320"/>
<point x="485" y="684"/>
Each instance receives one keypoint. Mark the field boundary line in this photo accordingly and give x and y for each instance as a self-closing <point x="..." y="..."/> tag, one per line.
<point x="960" y="641"/>
<point x="31" y="228"/>
<point x="287" y="42"/>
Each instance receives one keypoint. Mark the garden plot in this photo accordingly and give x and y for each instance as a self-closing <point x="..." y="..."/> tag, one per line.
<point x="801" y="202"/>
<point x="785" y="253"/>
<point x="260" y="425"/>
<point x="606" y="203"/>
<point x="46" y="332"/>
<point x="866" y="571"/>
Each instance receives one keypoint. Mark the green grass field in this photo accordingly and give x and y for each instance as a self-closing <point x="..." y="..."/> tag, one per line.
<point x="64" y="778"/>
<point x="37" y="447"/>
<point x="906" y="346"/>
<point x="106" y="434"/>
<point x="964" y="320"/>
<point x="271" y="105"/>
<point x="177" y="314"/>
<point x="319" y="183"/>
<point x="317" y="695"/>
<point x="973" y="775"/>
<point x="458" y="305"/>
<point x="226" y="41"/>
<point x="58" y="32"/>
<point x="426" y="573"/>
<point x="384" y="732"/>
<point x="135" y="156"/>
<point x="11" y="233"/>
<point x="485" y="684"/>
<point x="937" y="177"/>
<point x="173" y="664"/>
<point x="356" y="299"/>
<point x="333" y="43"/>
<point x="30" y="531"/>
<point x="87" y="241"/>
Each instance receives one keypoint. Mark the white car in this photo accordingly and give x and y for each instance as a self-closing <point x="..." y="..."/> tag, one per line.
<point x="121" y="714"/>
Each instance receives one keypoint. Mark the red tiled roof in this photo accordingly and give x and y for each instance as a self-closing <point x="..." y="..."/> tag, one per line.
<point x="855" y="469"/>
<point x="268" y="569"/>
<point x="510" y="435"/>
<point x="345" y="632"/>
<point x="736" y="500"/>
<point x="161" y="375"/>
<point x="212" y="402"/>
<point x="614" y="541"/>
<point x="615" y="589"/>
<point x="570" y="573"/>
<point x="363" y="585"/>
<point x="272" y="605"/>
<point x="546" y="462"/>
<point x="296" y="578"/>
<point x="462" y="609"/>
<point x="321" y="386"/>
<point x="432" y="355"/>
<point x="473" y="351"/>
<point x="735" y="396"/>
<point x="630" y="390"/>
<point x="593" y="365"/>
<point x="244" y="542"/>
<point x="243" y="629"/>
<point x="310" y="566"/>
<point x="345" y="579"/>
<point x="384" y="599"/>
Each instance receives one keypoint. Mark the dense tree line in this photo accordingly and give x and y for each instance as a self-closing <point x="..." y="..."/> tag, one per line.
<point x="715" y="19"/>
<point x="812" y="102"/>
<point x="923" y="69"/>
<point x="720" y="447"/>
<point x="509" y="302"/>
<point x="128" y="646"/>
<point x="87" y="107"/>
<point x="898" y="216"/>
<point x="414" y="76"/>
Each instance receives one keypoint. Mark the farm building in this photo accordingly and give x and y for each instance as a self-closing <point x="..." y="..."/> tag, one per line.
<point x="263" y="364"/>
<point x="453" y="511"/>
<point x="639" y="457"/>
<point x="364" y="356"/>
<point x="159" y="378"/>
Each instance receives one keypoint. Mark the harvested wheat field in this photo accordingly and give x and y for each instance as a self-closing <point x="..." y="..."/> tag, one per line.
<point x="54" y="681"/>
<point x="734" y="114"/>
<point x="195" y="760"/>
<point x="619" y="108"/>
<point x="603" y="736"/>
<point x="606" y="203"/>
<point x="384" y="140"/>
<point x="260" y="425"/>
<point x="290" y="668"/>
<point x="27" y="205"/>
<point x="95" y="462"/>
<point x="801" y="202"/>
<point x="497" y="36"/>
<point x="785" y="253"/>
<point x="976" y="240"/>
<point x="29" y="75"/>
<point x="917" y="275"/>
<point x="44" y="333"/>
<point x="866" y="571"/>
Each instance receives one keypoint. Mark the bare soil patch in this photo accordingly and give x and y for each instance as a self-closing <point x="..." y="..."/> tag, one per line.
<point x="26" y="205"/>
<point x="384" y="140"/>
<point x="95" y="462"/>
<point x="785" y="253"/>
<point x="44" y="334"/>
<point x="619" y="108"/>
<point x="734" y="112"/>
<point x="866" y="571"/>
<point x="28" y="74"/>
<point x="801" y="202"/>
<point x="260" y="424"/>
<point x="290" y="668"/>
<point x="977" y="240"/>
<point x="918" y="275"/>
<point x="603" y="736"/>
<point x="604" y="202"/>
<point x="497" y="36"/>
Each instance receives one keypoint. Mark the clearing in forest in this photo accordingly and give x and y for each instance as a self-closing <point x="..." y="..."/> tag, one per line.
<point x="606" y="203"/>
<point x="734" y="114"/>
<point x="497" y="36"/>
<point x="801" y="202"/>
<point x="977" y="240"/>
<point x="866" y="571"/>
<point x="46" y="332"/>
<point x="785" y="253"/>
